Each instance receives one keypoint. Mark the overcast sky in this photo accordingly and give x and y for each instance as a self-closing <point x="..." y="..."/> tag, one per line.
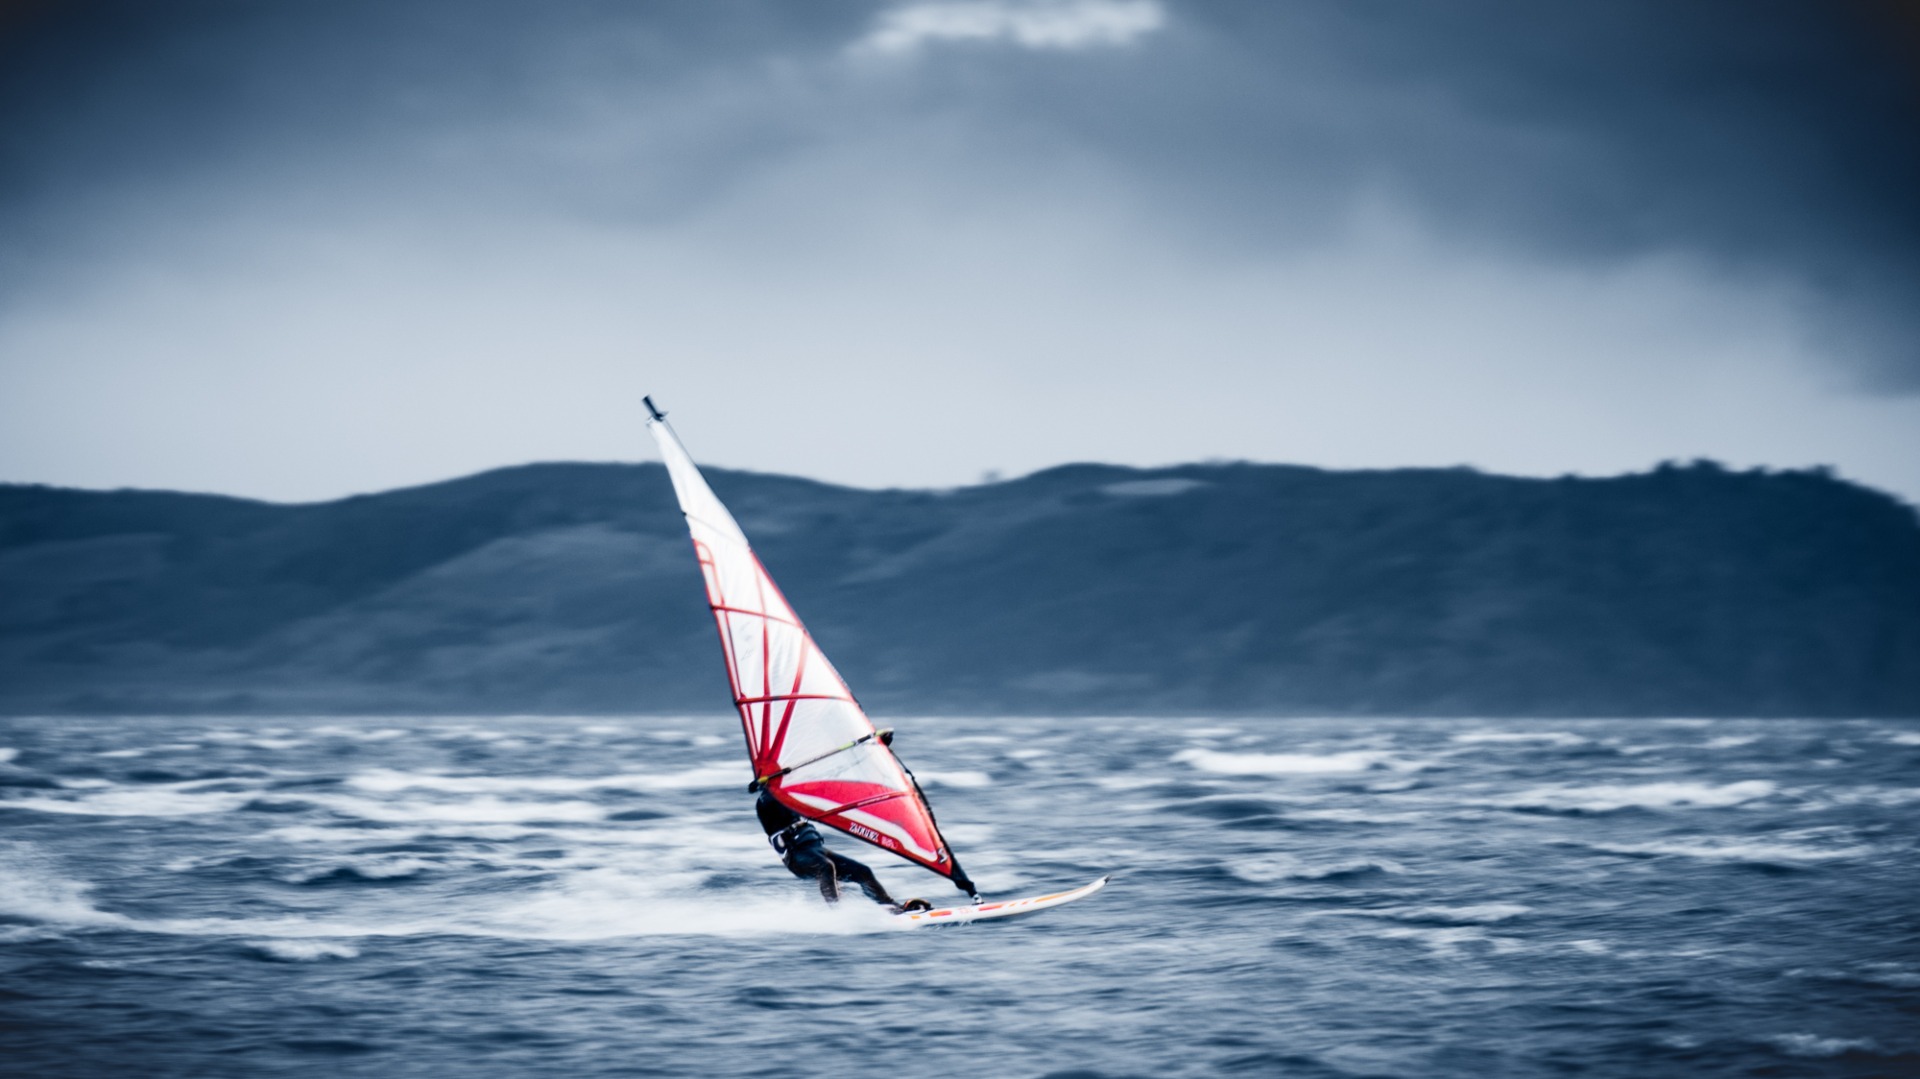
<point x="297" y="250"/>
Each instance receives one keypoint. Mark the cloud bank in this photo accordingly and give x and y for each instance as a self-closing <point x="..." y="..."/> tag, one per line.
<point x="1063" y="24"/>
<point x="301" y="249"/>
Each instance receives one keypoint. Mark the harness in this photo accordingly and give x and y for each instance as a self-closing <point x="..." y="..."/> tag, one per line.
<point x="799" y="833"/>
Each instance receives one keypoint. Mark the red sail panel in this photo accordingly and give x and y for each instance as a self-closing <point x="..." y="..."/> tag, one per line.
<point x="802" y="726"/>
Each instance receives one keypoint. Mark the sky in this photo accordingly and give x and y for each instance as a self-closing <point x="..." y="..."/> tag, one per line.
<point x="306" y="248"/>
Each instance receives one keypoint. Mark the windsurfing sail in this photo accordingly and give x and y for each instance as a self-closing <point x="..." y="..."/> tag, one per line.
<point x="811" y="744"/>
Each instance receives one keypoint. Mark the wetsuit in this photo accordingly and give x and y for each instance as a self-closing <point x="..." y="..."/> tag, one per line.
<point x="806" y="854"/>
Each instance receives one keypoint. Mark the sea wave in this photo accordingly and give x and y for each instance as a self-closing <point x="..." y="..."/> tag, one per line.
<point x="1275" y="764"/>
<point x="1885" y="797"/>
<point x="594" y="904"/>
<point x="32" y="887"/>
<point x="1467" y="914"/>
<point x="160" y="800"/>
<point x="1552" y="738"/>
<point x="486" y="809"/>
<point x="1449" y="941"/>
<point x="1278" y="867"/>
<point x="1358" y="816"/>
<point x="1735" y="851"/>
<point x="1815" y="1046"/>
<point x="382" y="734"/>
<point x="303" y="951"/>
<point x="956" y="778"/>
<point x="1890" y="974"/>
<point x="1605" y="798"/>
<point x="711" y="775"/>
<point x="372" y="867"/>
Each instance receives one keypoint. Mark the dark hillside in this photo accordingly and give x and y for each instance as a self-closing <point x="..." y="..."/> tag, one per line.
<point x="1217" y="588"/>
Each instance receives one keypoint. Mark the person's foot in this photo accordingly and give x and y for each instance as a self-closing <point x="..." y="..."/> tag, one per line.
<point x="912" y="905"/>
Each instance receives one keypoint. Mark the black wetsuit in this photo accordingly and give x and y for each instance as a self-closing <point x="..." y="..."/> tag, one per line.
<point x="806" y="854"/>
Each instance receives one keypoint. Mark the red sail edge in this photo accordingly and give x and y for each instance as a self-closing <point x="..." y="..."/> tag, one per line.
<point x="806" y="736"/>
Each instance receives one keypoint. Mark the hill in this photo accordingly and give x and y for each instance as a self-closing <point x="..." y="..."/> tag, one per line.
<point x="1200" y="589"/>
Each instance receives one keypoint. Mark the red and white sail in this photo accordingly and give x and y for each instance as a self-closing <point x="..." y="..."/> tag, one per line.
<point x="809" y="740"/>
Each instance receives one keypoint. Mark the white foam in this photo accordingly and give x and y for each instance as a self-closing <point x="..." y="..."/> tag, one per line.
<point x="577" y="834"/>
<point x="1446" y="942"/>
<point x="1892" y="974"/>
<point x="1888" y="797"/>
<point x="32" y="887"/>
<point x="707" y="776"/>
<point x="1812" y="1045"/>
<point x="1278" y="867"/>
<point x="1128" y="781"/>
<point x="1731" y="741"/>
<point x="976" y="835"/>
<point x="1736" y="851"/>
<point x="371" y="867"/>
<point x="122" y="753"/>
<point x="303" y="951"/>
<point x="659" y="894"/>
<point x="1471" y="914"/>
<point x="167" y="800"/>
<point x="356" y="734"/>
<point x="1606" y="797"/>
<point x="956" y="779"/>
<point x="1552" y="738"/>
<point x="605" y="903"/>
<point x="1906" y="738"/>
<point x="1358" y="816"/>
<point x="1392" y="786"/>
<point x="7" y="755"/>
<point x="1275" y="764"/>
<point x="484" y="810"/>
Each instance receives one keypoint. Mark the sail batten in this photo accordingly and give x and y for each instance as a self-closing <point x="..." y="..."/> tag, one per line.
<point x="806" y="735"/>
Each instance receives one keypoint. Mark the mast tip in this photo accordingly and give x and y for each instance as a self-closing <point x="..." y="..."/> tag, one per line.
<point x="652" y="409"/>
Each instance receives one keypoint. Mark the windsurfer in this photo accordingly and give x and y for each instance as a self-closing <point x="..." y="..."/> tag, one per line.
<point x="806" y="855"/>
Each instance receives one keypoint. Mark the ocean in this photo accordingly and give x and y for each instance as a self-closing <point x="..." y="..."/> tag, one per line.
<point x="591" y="896"/>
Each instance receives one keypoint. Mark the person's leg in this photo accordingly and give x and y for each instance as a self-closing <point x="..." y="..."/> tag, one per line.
<point x="812" y="860"/>
<point x="847" y="869"/>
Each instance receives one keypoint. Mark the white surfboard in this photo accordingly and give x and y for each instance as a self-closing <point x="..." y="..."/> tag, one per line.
<point x="1010" y="908"/>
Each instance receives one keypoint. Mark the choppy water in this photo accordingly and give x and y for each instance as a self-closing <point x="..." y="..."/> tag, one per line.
<point x="592" y="897"/>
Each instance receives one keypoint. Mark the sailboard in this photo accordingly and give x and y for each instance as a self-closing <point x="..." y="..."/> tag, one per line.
<point x="810" y="743"/>
<point x="1010" y="908"/>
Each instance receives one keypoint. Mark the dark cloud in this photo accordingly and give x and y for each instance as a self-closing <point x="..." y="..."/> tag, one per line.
<point x="1775" y="141"/>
